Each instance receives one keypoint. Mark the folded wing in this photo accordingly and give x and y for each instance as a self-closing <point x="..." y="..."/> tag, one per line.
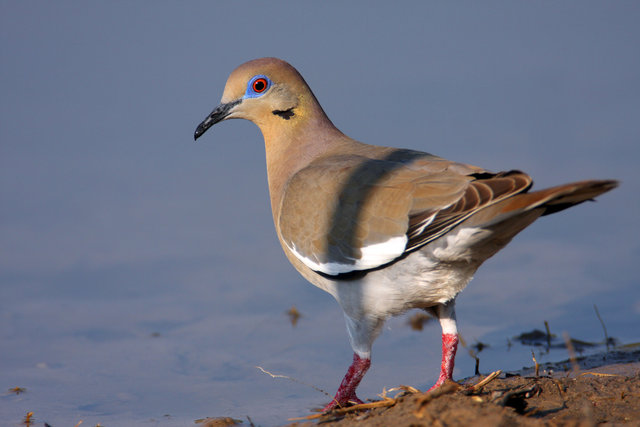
<point x="349" y="213"/>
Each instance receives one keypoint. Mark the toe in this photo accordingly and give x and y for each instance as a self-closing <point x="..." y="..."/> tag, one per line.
<point x="342" y="402"/>
<point x="354" y="400"/>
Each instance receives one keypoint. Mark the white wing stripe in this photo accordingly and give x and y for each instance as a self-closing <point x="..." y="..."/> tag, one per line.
<point x="372" y="256"/>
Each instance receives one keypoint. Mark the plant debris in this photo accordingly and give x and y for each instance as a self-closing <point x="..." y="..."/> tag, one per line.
<point x="17" y="390"/>
<point x="294" y="315"/>
<point x="418" y="320"/>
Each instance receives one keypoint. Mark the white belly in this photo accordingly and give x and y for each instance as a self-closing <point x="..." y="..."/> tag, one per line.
<point x="432" y="275"/>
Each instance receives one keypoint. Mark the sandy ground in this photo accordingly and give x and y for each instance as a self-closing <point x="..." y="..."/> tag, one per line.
<point x="599" y="390"/>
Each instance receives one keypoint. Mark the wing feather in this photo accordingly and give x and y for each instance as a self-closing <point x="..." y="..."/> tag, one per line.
<point x="346" y="213"/>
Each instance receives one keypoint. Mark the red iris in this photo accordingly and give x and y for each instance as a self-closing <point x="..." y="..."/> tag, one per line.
<point x="260" y="85"/>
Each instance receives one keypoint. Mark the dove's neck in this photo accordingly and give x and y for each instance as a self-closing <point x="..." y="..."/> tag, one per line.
<point x="292" y="144"/>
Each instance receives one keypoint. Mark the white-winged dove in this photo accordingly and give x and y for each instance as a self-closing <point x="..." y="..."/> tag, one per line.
<point x="383" y="230"/>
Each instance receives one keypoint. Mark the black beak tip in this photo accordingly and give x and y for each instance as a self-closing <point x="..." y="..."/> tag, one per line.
<point x="219" y="114"/>
<point x="200" y="130"/>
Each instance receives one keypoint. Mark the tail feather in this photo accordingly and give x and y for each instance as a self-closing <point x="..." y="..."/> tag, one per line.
<point x="567" y="195"/>
<point x="549" y="200"/>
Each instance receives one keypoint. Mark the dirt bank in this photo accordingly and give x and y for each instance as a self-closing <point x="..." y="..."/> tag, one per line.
<point x="563" y="394"/>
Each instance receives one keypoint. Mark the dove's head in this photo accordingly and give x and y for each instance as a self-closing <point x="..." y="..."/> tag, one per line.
<point x="267" y="91"/>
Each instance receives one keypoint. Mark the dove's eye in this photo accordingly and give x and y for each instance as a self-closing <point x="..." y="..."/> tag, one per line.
<point x="257" y="86"/>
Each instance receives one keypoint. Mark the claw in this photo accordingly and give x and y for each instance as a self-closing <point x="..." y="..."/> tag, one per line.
<point x="352" y="400"/>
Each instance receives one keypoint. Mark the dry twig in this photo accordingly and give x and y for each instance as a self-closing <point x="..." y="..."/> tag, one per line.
<point x="492" y="376"/>
<point x="292" y="379"/>
<point x="533" y="356"/>
<point x="472" y="353"/>
<point x="342" y="411"/>
<point x="546" y="326"/>
<point x="604" y="328"/>
<point x="28" y="419"/>
<point x="572" y="352"/>
<point x="600" y="374"/>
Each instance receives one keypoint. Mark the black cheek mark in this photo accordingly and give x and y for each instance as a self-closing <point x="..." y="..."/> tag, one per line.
<point x="285" y="114"/>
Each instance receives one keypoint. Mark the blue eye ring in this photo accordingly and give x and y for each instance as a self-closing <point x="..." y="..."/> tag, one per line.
<point x="257" y="86"/>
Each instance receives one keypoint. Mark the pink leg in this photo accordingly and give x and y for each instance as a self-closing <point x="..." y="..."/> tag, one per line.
<point x="449" y="347"/>
<point x="347" y="391"/>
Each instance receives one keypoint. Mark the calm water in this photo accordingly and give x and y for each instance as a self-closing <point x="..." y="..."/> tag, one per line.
<point x="141" y="282"/>
<point x="119" y="348"/>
